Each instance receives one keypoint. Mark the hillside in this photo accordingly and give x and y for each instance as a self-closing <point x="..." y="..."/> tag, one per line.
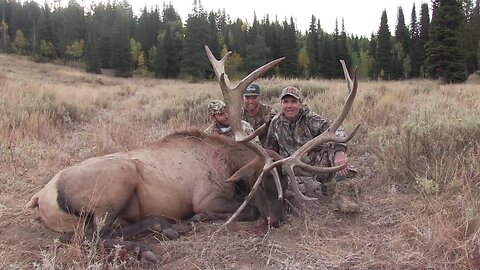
<point x="417" y="152"/>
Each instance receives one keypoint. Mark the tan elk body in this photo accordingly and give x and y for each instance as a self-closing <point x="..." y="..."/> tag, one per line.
<point x="181" y="175"/>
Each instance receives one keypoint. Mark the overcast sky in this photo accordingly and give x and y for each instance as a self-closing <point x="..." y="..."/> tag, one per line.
<point x="360" y="17"/>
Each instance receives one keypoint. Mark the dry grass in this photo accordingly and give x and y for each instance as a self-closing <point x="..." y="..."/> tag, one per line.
<point x="417" y="151"/>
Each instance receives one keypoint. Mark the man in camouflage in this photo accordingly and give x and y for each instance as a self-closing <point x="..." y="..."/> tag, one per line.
<point x="221" y="122"/>
<point x="295" y="126"/>
<point x="255" y="112"/>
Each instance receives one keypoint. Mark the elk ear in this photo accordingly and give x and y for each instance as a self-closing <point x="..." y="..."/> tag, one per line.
<point x="244" y="172"/>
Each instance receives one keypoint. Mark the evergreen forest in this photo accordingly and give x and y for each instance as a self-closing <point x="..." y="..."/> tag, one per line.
<point x="440" y="42"/>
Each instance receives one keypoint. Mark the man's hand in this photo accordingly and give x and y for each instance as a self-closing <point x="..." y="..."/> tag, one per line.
<point x="340" y="158"/>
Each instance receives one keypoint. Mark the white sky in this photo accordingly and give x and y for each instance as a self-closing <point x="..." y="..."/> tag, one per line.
<point x="360" y="17"/>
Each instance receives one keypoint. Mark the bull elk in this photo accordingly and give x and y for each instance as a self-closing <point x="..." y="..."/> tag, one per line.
<point x="180" y="176"/>
<point x="184" y="174"/>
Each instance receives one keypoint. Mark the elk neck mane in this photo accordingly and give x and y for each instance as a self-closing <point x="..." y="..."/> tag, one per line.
<point x="215" y="139"/>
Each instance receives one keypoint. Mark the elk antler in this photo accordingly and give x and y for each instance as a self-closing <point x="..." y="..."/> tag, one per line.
<point x="327" y="136"/>
<point x="233" y="98"/>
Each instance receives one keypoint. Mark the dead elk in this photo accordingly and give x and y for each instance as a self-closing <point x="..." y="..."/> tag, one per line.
<point x="179" y="176"/>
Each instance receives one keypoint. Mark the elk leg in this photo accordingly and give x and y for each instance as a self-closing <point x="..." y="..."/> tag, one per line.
<point x="120" y="248"/>
<point x="149" y="224"/>
<point x="223" y="210"/>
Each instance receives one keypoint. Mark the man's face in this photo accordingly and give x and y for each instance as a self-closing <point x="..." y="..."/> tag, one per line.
<point x="222" y="119"/>
<point x="291" y="107"/>
<point x="251" y="102"/>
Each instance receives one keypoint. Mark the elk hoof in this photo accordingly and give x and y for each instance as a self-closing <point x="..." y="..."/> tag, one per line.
<point x="150" y="257"/>
<point x="197" y="218"/>
<point x="170" y="233"/>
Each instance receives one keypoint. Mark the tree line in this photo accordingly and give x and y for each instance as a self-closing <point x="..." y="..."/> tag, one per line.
<point x="156" y="42"/>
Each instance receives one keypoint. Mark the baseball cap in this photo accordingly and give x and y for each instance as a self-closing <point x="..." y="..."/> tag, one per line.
<point x="216" y="106"/>
<point x="292" y="91"/>
<point x="252" y="90"/>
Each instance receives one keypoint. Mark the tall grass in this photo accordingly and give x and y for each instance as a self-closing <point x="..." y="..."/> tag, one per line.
<point x="30" y="110"/>
<point x="417" y="151"/>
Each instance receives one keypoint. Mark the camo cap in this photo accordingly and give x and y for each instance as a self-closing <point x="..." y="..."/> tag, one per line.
<point x="292" y="91"/>
<point x="216" y="106"/>
<point x="252" y="90"/>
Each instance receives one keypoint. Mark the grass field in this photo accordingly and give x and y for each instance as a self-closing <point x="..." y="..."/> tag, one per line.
<point x="417" y="151"/>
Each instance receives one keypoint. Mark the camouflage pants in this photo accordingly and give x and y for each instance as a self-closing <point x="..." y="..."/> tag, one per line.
<point x="324" y="159"/>
<point x="315" y="183"/>
<point x="326" y="183"/>
<point x="344" y="191"/>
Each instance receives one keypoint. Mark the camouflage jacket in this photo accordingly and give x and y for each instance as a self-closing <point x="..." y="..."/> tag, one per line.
<point x="285" y="137"/>
<point x="265" y="115"/>
<point x="227" y="131"/>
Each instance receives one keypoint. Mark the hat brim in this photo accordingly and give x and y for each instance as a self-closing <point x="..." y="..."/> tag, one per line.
<point x="290" y="94"/>
<point x="251" y="94"/>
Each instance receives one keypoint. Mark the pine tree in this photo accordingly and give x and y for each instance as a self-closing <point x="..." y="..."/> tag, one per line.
<point x="236" y="37"/>
<point x="92" y="60"/>
<point x="272" y="38"/>
<point x="475" y="25"/>
<point x="253" y="30"/>
<point x="289" y="49"/>
<point x="257" y="54"/>
<point x="471" y="33"/>
<point x="423" y="37"/>
<point x="45" y="37"/>
<point x="195" y="63"/>
<point x="445" y="55"/>
<point x="173" y="41"/>
<point x="13" y="16"/>
<point x="384" y="49"/>
<point x="149" y="26"/>
<point x="213" y="41"/>
<point x="45" y="31"/>
<point x="312" y="48"/>
<point x="70" y="25"/>
<point x="160" y="62"/>
<point x="398" y="59"/>
<point x="327" y="57"/>
<point x="106" y="16"/>
<point x="360" y="57"/>
<point x="31" y="14"/>
<point x="401" y="31"/>
<point x="121" y="56"/>
<point x="415" y="48"/>
<point x="343" y="53"/>
<point x="337" y="69"/>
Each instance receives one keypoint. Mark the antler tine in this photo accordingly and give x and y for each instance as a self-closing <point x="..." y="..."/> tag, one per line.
<point x="347" y="76"/>
<point x="218" y="66"/>
<point x="327" y="136"/>
<point x="351" y="97"/>
<point x="255" y="133"/>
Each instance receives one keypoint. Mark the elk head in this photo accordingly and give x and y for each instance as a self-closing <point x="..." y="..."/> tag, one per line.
<point x="233" y="98"/>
